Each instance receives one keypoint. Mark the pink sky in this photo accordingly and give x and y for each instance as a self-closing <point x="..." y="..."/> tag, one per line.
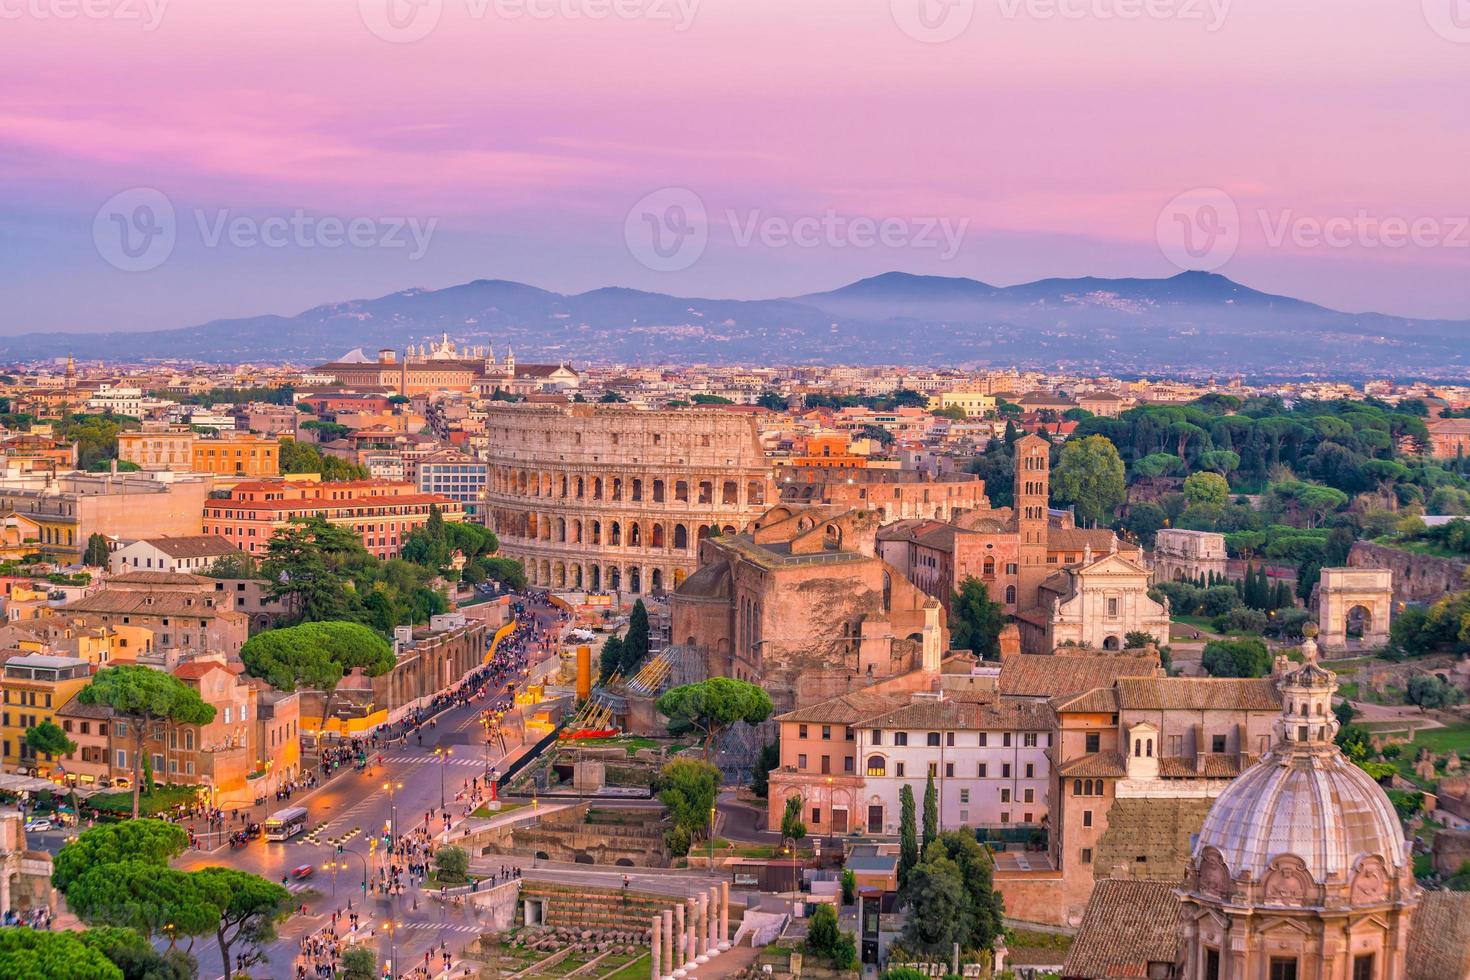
<point x="1057" y="139"/>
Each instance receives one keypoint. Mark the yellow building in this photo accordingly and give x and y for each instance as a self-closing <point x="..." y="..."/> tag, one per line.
<point x="975" y="404"/>
<point x="237" y="455"/>
<point x="32" y="688"/>
<point x="157" y="448"/>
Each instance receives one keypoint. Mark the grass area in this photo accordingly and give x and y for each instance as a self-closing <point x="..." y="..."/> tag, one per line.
<point x="634" y="969"/>
<point x="1437" y="740"/>
<point x="632" y="743"/>
<point x="485" y="811"/>
<point x="1202" y="623"/>
<point x="431" y="880"/>
<point x="1027" y="939"/>
<point x="1423" y="864"/>
<point x="160" y="799"/>
<point x="1348" y="690"/>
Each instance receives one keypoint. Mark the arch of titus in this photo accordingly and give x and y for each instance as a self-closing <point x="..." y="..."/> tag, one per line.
<point x="1356" y="598"/>
<point x="614" y="498"/>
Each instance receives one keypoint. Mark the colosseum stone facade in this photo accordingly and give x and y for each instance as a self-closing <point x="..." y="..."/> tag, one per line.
<point x="614" y="498"/>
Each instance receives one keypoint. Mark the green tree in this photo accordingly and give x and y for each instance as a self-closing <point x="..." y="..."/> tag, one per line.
<point x="711" y="707"/>
<point x="309" y="564"/>
<point x="1144" y="520"/>
<point x="1206" y="488"/>
<point x="612" y="656"/>
<point x="825" y="939"/>
<point x="931" y="812"/>
<point x="96" y="555"/>
<point x="636" y="640"/>
<point x="247" y="907"/>
<point x="359" y="963"/>
<point x="1246" y="657"/>
<point x="908" y="834"/>
<point x="976" y="620"/>
<point x="1431" y="691"/>
<point x="1089" y="476"/>
<point x="977" y="872"/>
<point x="135" y="956"/>
<point x="687" y="788"/>
<point x="849" y="886"/>
<point x="143" y="697"/>
<point x="48" y="738"/>
<point x="939" y="912"/>
<point x="792" y="827"/>
<point x="768" y="758"/>
<point x="238" y="565"/>
<point x="157" y="901"/>
<point x="771" y="400"/>
<point x="316" y="656"/>
<point x="301" y="457"/>
<point x="452" y="863"/>
<point x="152" y="841"/>
<point x="34" y="954"/>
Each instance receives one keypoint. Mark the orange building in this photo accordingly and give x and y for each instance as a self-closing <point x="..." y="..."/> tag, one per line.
<point x="382" y="512"/>
<point x="236" y="455"/>
<point x="156" y="448"/>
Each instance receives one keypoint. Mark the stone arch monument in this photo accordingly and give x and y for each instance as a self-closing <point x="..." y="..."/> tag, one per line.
<point x="1357" y="601"/>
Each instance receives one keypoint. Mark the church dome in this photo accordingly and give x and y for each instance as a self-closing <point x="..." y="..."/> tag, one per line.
<point x="1304" y="810"/>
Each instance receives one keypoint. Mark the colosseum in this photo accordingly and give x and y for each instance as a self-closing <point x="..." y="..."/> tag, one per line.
<point x="614" y="498"/>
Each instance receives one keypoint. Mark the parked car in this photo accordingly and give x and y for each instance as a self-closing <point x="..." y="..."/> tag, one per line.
<point x="38" y="824"/>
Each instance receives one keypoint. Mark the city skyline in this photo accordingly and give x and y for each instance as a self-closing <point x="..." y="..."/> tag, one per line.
<point x="508" y="144"/>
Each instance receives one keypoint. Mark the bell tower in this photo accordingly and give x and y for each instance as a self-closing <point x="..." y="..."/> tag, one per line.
<point x="1032" y="493"/>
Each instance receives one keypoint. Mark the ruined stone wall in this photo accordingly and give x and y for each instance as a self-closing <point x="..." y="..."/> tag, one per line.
<point x="1416" y="578"/>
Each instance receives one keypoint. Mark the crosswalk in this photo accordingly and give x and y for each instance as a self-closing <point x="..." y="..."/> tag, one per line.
<point x="429" y="760"/>
<point x="465" y="929"/>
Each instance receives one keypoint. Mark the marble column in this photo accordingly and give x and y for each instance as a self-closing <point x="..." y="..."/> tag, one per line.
<point x="691" y="912"/>
<point x="680" y="962"/>
<point x="655" y="948"/>
<point x="701" y="928"/>
<point x="666" y="937"/>
<point x="724" y="915"/>
<point x="712" y="922"/>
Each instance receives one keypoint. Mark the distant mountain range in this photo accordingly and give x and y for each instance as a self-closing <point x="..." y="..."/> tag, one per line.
<point x="1194" y="321"/>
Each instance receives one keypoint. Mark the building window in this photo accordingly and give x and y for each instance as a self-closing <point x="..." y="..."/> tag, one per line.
<point x="877" y="736"/>
<point x="1029" y="740"/>
<point x="1212" y="964"/>
<point x="983" y="739"/>
<point x="826" y="733"/>
<point x="964" y="796"/>
<point x="900" y="738"/>
<point x="1094" y="742"/>
<point x="949" y="770"/>
<point x="1087" y="818"/>
<point x="1217" y="743"/>
<point x="1005" y="795"/>
<point x="1086" y="855"/>
<point x="898" y="769"/>
<point x="1028" y="796"/>
<point x="1113" y="607"/>
<point x="801" y="731"/>
<point x="847" y="764"/>
<point x="932" y="739"/>
<point x="816" y="815"/>
<point x="1005" y="770"/>
<point x="982" y="771"/>
<point x="1005" y="740"/>
<point x="1030" y="770"/>
<point x="877" y="766"/>
<point x="1363" y="966"/>
<point x="801" y="761"/>
<point x="1282" y="968"/>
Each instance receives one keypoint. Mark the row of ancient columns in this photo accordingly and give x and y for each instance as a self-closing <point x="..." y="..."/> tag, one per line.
<point x="688" y="935"/>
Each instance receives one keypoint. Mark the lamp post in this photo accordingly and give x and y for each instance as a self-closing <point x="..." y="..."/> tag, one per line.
<point x="392" y="789"/>
<point x="712" y="838"/>
<point x="443" y="754"/>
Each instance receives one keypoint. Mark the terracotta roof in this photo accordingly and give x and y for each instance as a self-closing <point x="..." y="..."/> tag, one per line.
<point x="1217" y="765"/>
<point x="1047" y="676"/>
<point x="1127" y="925"/>
<point x="961" y="714"/>
<point x="193" y="546"/>
<point x="1439" y="937"/>
<point x="1099" y="700"/>
<point x="120" y="601"/>
<point x="195" y="669"/>
<point x="848" y="709"/>
<point x="1108" y="764"/>
<point x="158" y="578"/>
<point x="1198" y="693"/>
<point x="1076" y="538"/>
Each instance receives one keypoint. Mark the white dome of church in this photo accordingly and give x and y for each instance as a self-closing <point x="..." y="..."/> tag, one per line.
<point x="1304" y="799"/>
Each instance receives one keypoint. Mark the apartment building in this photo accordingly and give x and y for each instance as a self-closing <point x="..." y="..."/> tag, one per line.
<point x="32" y="688"/>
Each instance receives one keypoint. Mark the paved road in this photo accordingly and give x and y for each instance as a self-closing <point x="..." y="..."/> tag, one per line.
<point x="356" y="806"/>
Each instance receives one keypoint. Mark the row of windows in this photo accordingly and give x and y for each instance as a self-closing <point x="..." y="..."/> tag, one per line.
<point x="27" y="698"/>
<point x="1028" y="740"/>
<point x="878" y="766"/>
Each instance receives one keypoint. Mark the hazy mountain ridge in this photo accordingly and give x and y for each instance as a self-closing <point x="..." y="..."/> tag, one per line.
<point x="1193" y="319"/>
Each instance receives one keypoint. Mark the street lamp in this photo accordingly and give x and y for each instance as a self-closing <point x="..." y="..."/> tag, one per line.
<point x="443" y="755"/>
<point x="392" y="790"/>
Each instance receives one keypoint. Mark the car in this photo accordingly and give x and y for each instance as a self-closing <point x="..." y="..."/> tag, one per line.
<point x="38" y="824"/>
<point x="302" y="872"/>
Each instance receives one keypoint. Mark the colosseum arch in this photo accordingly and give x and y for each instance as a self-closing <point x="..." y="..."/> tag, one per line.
<point x="637" y="492"/>
<point x="617" y="488"/>
<point x="730" y="493"/>
<point x="658" y="491"/>
<point x="576" y="532"/>
<point x="681" y="537"/>
<point x="581" y="488"/>
<point x="597" y="488"/>
<point x="635" y="580"/>
<point x="561" y="529"/>
<point x="755" y="493"/>
<point x="635" y="534"/>
<point x="559" y="575"/>
<point x="681" y="491"/>
<point x="615" y="534"/>
<point x="656" y="536"/>
<point x="656" y="580"/>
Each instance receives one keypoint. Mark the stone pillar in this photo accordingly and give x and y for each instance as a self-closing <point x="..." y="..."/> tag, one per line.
<point x="701" y="928"/>
<point x="655" y="947"/>
<point x="712" y="947"/>
<point x="666" y="938"/>
<point x="680" y="962"/>
<point x="724" y="915"/>
<point x="691" y="951"/>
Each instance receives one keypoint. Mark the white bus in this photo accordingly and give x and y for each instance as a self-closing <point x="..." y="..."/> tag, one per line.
<point x="285" y="824"/>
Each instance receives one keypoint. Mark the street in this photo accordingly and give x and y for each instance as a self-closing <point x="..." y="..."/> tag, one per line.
<point x="354" y="807"/>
